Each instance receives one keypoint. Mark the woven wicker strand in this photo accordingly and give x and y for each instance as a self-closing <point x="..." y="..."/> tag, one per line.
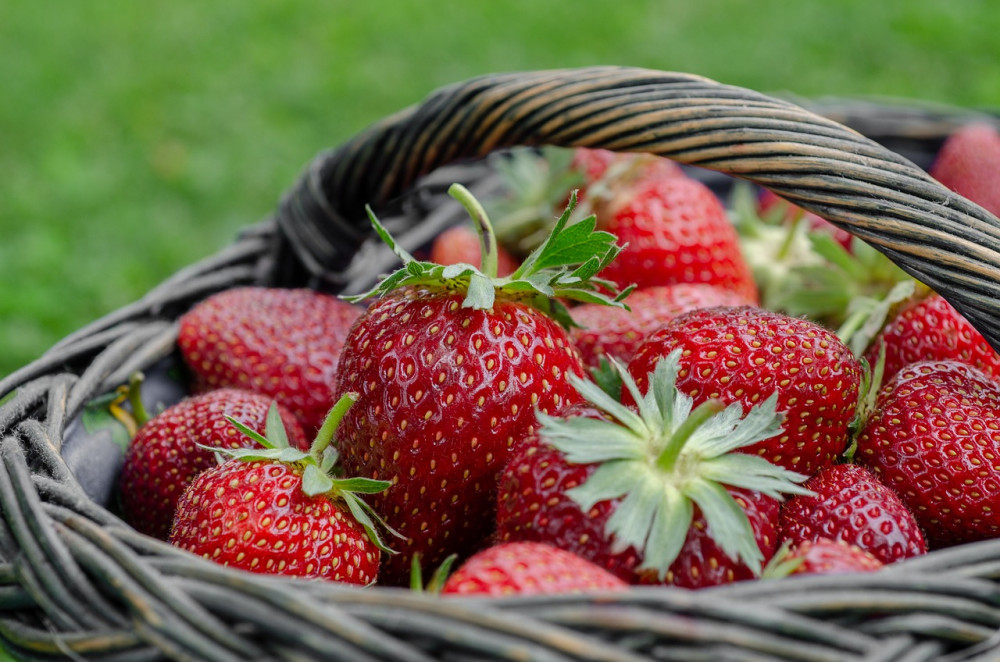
<point x="77" y="583"/>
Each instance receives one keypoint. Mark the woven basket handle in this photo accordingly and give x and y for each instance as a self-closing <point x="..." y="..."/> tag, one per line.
<point x="936" y="236"/>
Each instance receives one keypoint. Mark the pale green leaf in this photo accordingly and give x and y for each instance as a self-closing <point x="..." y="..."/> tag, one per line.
<point x="593" y="394"/>
<point x="274" y="427"/>
<point x="361" y="485"/>
<point x="253" y="434"/>
<point x="609" y="481"/>
<point x="670" y="527"/>
<point x="727" y="523"/>
<point x="632" y="519"/>
<point x="481" y="293"/>
<point x="587" y="441"/>
<point x="732" y="429"/>
<point x="314" y="481"/>
<point x="755" y="473"/>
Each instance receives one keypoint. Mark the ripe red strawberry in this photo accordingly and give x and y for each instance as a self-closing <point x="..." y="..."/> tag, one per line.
<point x="969" y="164"/>
<point x="528" y="568"/>
<point x="676" y="231"/>
<point x="850" y="503"/>
<point x="655" y="495"/>
<point x="928" y="328"/>
<point x="618" y="333"/>
<point x="824" y="556"/>
<point x="283" y="343"/>
<point x="743" y="354"/>
<point x="164" y="456"/>
<point x="452" y="364"/>
<point x="276" y="510"/>
<point x="933" y="438"/>
<point x="460" y="244"/>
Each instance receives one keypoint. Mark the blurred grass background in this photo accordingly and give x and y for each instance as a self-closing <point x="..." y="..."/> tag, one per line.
<point x="136" y="138"/>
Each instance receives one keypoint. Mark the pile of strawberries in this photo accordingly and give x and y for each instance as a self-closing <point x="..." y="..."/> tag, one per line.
<point x="633" y="385"/>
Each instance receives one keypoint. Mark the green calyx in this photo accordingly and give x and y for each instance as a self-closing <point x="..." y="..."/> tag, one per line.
<point x="437" y="580"/>
<point x="666" y="457"/>
<point x="564" y="266"/>
<point x="319" y="465"/>
<point x="808" y="273"/>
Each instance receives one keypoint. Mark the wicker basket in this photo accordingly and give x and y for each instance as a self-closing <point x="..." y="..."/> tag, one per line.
<point x="77" y="583"/>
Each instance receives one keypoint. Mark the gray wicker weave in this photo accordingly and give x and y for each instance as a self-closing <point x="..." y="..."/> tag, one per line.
<point x="77" y="583"/>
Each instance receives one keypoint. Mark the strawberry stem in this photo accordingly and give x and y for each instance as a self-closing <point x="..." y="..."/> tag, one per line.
<point x="330" y="424"/>
<point x="487" y="238"/>
<point x="139" y="412"/>
<point x="703" y="412"/>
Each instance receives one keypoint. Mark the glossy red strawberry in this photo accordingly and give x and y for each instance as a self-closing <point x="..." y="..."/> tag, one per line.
<point x="276" y="510"/>
<point x="824" y="556"/>
<point x="452" y="365"/>
<point x="641" y="493"/>
<point x="745" y="354"/>
<point x="528" y="568"/>
<point x="164" y="456"/>
<point x="929" y="328"/>
<point x="283" y="343"/>
<point x="618" y="333"/>
<point x="851" y="504"/>
<point x="969" y="164"/>
<point x="933" y="437"/>
<point x="676" y="231"/>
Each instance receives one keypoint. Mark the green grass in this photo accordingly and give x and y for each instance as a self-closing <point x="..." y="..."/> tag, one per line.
<point x="138" y="137"/>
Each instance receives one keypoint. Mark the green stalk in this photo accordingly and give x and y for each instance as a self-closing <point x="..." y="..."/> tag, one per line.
<point x="139" y="412"/>
<point x="706" y="410"/>
<point x="325" y="435"/>
<point x="487" y="238"/>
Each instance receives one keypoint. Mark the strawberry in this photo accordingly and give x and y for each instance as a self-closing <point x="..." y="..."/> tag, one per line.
<point x="850" y="503"/>
<point x="933" y="438"/>
<point x="528" y="568"/>
<point x="822" y="556"/>
<point x="676" y="231"/>
<point x="168" y="451"/>
<point x="283" y="343"/>
<point x="452" y="365"/>
<point x="744" y="354"/>
<point x="277" y="510"/>
<point x="538" y="184"/>
<point x="928" y="328"/>
<point x="460" y="244"/>
<point x="653" y="495"/>
<point x="618" y="333"/>
<point x="969" y="164"/>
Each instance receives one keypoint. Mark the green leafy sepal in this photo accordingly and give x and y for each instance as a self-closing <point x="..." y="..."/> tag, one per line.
<point x="665" y="457"/>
